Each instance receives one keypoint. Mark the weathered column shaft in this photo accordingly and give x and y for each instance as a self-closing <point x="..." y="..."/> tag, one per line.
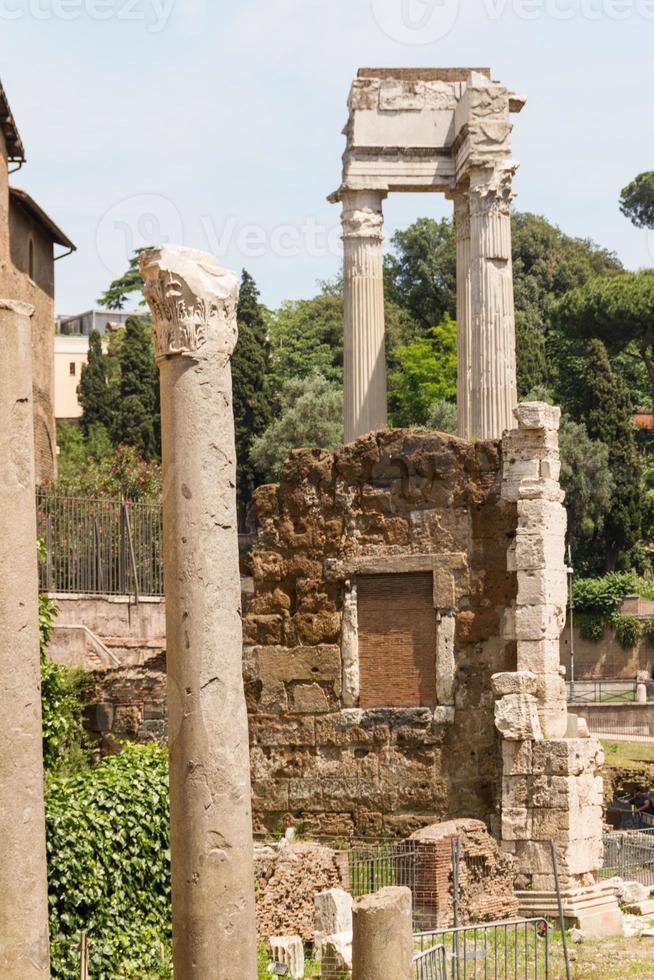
<point x="382" y="940"/>
<point x="463" y="314"/>
<point x="24" y="952"/>
<point x="364" y="356"/>
<point x="493" y="359"/>
<point x="193" y="303"/>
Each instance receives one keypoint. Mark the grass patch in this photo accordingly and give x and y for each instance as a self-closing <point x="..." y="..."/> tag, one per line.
<point x="625" y="754"/>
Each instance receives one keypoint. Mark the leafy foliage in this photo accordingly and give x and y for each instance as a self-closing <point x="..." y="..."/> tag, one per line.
<point x="426" y="374"/>
<point x="420" y="273"/>
<point x="136" y="416"/>
<point x="603" y="596"/>
<point x="648" y="629"/>
<point x="120" y="473"/>
<point x="109" y="866"/>
<point x="442" y="417"/>
<point x="637" y="200"/>
<point x="250" y="366"/>
<point x="592" y="627"/>
<point x="63" y="700"/>
<point x="627" y="630"/>
<point x="311" y="414"/>
<point x="93" y="390"/>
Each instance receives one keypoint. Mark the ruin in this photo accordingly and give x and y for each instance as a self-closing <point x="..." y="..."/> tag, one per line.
<point x="193" y="303"/>
<point x="431" y="129"/>
<point x="24" y="949"/>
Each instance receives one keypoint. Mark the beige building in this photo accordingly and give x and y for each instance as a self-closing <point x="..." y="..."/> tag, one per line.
<point x="27" y="242"/>
<point x="70" y="354"/>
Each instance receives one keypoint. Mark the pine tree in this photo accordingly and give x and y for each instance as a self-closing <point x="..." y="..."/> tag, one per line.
<point x="137" y="417"/>
<point x="608" y="414"/>
<point x="93" y="390"/>
<point x="252" y="413"/>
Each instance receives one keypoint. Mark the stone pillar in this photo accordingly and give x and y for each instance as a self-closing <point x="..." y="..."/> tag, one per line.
<point x="364" y="356"/>
<point x="24" y="951"/>
<point x="193" y="304"/>
<point x="382" y="943"/>
<point x="463" y="314"/>
<point x="493" y="390"/>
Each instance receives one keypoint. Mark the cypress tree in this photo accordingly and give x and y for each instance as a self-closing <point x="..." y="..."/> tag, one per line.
<point x="93" y="390"/>
<point x="252" y="413"/>
<point x="137" y="417"/>
<point x="608" y="414"/>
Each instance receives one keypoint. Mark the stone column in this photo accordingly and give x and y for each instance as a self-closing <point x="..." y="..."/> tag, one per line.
<point x="24" y="952"/>
<point x="463" y="313"/>
<point x="382" y="942"/>
<point x="193" y="304"/>
<point x="364" y="356"/>
<point x="493" y="389"/>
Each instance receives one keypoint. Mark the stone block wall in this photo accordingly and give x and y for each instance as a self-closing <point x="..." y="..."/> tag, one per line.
<point x="396" y="502"/>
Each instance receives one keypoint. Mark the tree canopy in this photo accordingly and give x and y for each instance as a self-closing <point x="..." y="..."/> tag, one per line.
<point x="637" y="200"/>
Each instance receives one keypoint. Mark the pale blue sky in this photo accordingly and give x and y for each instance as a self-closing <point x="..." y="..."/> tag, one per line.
<point x="219" y="124"/>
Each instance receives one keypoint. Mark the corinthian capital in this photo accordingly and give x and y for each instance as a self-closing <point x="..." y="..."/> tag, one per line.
<point x="491" y="189"/>
<point x="193" y="301"/>
<point x="362" y="214"/>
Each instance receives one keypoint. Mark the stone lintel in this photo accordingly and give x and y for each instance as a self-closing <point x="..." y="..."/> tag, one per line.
<point x="423" y="74"/>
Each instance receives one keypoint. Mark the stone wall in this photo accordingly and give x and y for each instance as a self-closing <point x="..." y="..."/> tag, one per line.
<point x="392" y="503"/>
<point x="606" y="659"/>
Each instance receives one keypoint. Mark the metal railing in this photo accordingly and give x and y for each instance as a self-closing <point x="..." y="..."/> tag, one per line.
<point x="630" y="855"/>
<point x="601" y="692"/>
<point x="431" y="964"/>
<point x="619" y="728"/>
<point x="102" y="547"/>
<point x="510" y="949"/>
<point x="409" y="863"/>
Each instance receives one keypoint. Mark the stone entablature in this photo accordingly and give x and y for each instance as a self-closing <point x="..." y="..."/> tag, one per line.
<point x="446" y="130"/>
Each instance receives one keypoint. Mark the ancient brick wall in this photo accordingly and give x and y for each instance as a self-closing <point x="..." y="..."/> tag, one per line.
<point x="394" y="503"/>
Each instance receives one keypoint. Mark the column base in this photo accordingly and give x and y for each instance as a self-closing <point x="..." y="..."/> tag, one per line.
<point x="594" y="910"/>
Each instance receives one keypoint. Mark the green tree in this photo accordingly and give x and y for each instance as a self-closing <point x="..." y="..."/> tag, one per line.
<point x="588" y="483"/>
<point x="306" y="338"/>
<point x="310" y="415"/>
<point x="619" y="311"/>
<point x="93" y="390"/>
<point x="420" y="272"/>
<point x="637" y="200"/>
<point x="443" y="417"/>
<point x="426" y="374"/>
<point x="137" y="418"/>
<point x="250" y="366"/>
<point x="608" y="414"/>
<point x="131" y="282"/>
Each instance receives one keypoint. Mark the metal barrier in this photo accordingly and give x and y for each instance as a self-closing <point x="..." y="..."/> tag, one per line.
<point x="105" y="547"/>
<point x="630" y="855"/>
<point x="601" y="692"/>
<point x="511" y="949"/>
<point x="414" y="864"/>
<point x="431" y="964"/>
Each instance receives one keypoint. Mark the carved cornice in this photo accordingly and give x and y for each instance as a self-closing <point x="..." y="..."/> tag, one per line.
<point x="491" y="193"/>
<point x="363" y="222"/>
<point x="193" y="301"/>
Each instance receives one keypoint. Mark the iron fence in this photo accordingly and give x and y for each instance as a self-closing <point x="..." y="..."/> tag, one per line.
<point x="413" y="864"/>
<point x="601" y="692"/>
<point x="430" y="964"/>
<point x="621" y="728"/>
<point x="106" y="547"/>
<point x="510" y="949"/>
<point x="630" y="855"/>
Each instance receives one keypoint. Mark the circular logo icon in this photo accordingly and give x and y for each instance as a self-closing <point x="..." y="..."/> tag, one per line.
<point x="415" y="21"/>
<point x="136" y="222"/>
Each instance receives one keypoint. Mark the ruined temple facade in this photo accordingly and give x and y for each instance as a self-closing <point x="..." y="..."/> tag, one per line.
<point x="381" y="588"/>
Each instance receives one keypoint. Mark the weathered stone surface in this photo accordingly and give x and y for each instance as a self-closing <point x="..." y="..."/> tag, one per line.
<point x="537" y="415"/>
<point x="333" y="912"/>
<point x="516" y="717"/>
<point x="335" y="954"/>
<point x="382" y="944"/>
<point x="517" y="682"/>
<point x="24" y="952"/>
<point x="193" y="303"/>
<point x="288" y="951"/>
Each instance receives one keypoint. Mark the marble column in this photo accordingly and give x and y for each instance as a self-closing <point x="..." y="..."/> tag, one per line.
<point x="493" y="390"/>
<point x="193" y="303"/>
<point x="24" y="951"/>
<point x="382" y="937"/>
<point x="463" y="313"/>
<point x="364" y="356"/>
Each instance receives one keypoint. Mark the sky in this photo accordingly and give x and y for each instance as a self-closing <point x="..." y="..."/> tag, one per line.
<point x="218" y="124"/>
